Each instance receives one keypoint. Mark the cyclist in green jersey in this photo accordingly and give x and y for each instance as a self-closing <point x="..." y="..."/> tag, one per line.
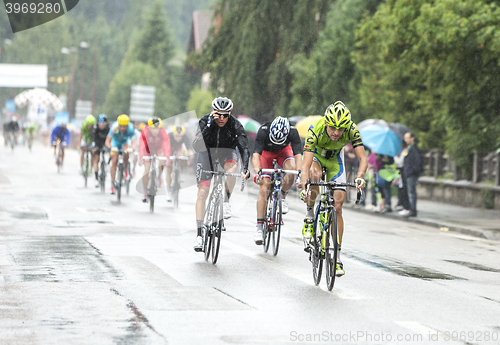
<point x="324" y="148"/>
<point x="86" y="137"/>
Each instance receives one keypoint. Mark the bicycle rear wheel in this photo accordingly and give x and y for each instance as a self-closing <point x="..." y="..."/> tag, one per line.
<point x="86" y="168"/>
<point x="217" y="232"/>
<point x="277" y="223"/>
<point x="331" y="250"/>
<point x="209" y="229"/>
<point x="315" y="253"/>
<point x="175" y="189"/>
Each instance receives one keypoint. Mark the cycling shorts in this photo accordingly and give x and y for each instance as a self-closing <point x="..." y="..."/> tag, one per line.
<point x="224" y="155"/>
<point x="335" y="168"/>
<point x="281" y="156"/>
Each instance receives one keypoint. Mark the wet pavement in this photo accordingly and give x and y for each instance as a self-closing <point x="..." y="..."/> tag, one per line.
<point x="78" y="268"/>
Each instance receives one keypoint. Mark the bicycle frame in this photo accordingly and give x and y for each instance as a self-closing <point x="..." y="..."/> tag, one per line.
<point x="175" y="177"/>
<point x="152" y="184"/>
<point x="272" y="228"/>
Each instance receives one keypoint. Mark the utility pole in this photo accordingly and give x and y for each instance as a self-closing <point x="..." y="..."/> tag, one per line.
<point x="94" y="71"/>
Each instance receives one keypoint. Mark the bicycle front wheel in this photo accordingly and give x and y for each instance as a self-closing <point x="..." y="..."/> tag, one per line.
<point x="277" y="223"/>
<point x="316" y="254"/>
<point x="216" y="233"/>
<point x="102" y="177"/>
<point x="331" y="250"/>
<point x="119" y="183"/>
<point x="268" y="224"/>
<point x="152" y="191"/>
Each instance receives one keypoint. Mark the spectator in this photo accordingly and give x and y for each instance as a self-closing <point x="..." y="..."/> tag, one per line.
<point x="413" y="167"/>
<point x="403" y="203"/>
<point x="383" y="181"/>
<point x="374" y="165"/>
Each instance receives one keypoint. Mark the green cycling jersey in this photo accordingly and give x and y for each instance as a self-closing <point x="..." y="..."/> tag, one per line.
<point x="87" y="132"/>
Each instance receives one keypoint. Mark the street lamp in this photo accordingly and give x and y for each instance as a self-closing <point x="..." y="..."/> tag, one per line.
<point x="67" y="51"/>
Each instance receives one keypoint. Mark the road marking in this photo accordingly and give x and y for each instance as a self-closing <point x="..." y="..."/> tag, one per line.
<point x="23" y="208"/>
<point x="421" y="329"/>
<point x="307" y="279"/>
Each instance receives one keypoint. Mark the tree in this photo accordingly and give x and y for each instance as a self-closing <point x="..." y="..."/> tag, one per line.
<point x="435" y="66"/>
<point x="250" y="52"/>
<point x="200" y="101"/>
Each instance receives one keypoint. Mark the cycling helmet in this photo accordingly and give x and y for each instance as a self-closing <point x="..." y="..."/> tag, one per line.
<point x="279" y="129"/>
<point x="141" y="126"/>
<point x="90" y="120"/>
<point x="14" y="119"/>
<point x="179" y="130"/>
<point x="102" y="118"/>
<point x="222" y="104"/>
<point x="338" y="115"/>
<point x="62" y="124"/>
<point x="123" y="120"/>
<point x="154" y="122"/>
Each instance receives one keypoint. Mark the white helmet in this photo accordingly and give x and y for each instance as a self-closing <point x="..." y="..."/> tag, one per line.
<point x="279" y="130"/>
<point x="222" y="104"/>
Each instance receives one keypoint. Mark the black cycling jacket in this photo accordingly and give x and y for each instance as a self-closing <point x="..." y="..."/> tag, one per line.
<point x="231" y="136"/>
<point x="99" y="136"/>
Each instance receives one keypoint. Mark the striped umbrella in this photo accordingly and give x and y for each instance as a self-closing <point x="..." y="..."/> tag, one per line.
<point x="38" y="96"/>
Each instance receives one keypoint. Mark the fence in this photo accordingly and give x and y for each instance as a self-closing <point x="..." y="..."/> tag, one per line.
<point x="485" y="166"/>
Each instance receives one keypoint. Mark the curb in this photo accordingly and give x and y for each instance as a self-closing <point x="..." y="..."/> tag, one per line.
<point x="480" y="233"/>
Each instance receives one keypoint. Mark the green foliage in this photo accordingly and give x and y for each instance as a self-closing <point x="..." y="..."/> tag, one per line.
<point x="249" y="56"/>
<point x="118" y="97"/>
<point x="329" y="74"/>
<point x="199" y="101"/>
<point x="435" y="67"/>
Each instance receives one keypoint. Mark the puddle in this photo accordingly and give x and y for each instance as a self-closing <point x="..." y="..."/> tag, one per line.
<point x="89" y="222"/>
<point x="29" y="215"/>
<point x="401" y="268"/>
<point x="474" y="266"/>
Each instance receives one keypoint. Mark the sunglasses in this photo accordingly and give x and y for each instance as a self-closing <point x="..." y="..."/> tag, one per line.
<point x="223" y="115"/>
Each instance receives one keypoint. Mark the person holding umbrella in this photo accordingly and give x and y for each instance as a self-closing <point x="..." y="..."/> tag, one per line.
<point x="413" y="167"/>
<point x="324" y="148"/>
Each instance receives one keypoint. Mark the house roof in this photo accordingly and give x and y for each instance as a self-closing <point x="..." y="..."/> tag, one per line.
<point x="199" y="30"/>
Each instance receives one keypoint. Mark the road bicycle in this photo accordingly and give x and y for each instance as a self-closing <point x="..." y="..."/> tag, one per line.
<point x="214" y="217"/>
<point x="12" y="141"/>
<point x="120" y="176"/>
<point x="274" y="215"/>
<point x="30" y="139"/>
<point x="59" y="154"/>
<point x="325" y="229"/>
<point x="176" y="177"/>
<point x="153" y="184"/>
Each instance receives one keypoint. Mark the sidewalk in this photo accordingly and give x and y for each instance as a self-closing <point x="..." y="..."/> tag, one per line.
<point x="467" y="220"/>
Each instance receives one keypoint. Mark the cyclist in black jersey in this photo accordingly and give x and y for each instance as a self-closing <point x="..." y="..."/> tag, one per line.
<point x="181" y="143"/>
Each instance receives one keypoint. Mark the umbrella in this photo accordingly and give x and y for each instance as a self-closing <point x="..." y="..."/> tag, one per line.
<point x="370" y="122"/>
<point x="304" y="125"/>
<point x="38" y="96"/>
<point x="295" y="119"/>
<point x="251" y="126"/>
<point x="382" y="140"/>
<point x="400" y="129"/>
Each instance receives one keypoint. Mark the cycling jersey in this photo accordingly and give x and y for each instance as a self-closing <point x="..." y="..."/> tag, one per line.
<point x="32" y="128"/>
<point x="61" y="134"/>
<point x="99" y="136"/>
<point x="329" y="153"/>
<point x="154" y="144"/>
<point x="13" y="126"/>
<point x="231" y="136"/>
<point x="86" y="132"/>
<point x="176" y="145"/>
<point x="263" y="143"/>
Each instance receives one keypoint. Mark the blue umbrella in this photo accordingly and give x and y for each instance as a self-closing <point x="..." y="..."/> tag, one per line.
<point x="383" y="140"/>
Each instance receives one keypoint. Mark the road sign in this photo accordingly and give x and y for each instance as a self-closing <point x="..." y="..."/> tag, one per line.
<point x="83" y="109"/>
<point x="142" y="102"/>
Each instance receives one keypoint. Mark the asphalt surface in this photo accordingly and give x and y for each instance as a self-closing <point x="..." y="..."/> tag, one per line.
<point x="78" y="268"/>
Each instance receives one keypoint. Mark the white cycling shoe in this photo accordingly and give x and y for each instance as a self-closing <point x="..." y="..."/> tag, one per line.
<point x="226" y="208"/>
<point x="198" y="244"/>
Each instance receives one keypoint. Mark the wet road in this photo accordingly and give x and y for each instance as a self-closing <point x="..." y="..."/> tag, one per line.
<point x="77" y="268"/>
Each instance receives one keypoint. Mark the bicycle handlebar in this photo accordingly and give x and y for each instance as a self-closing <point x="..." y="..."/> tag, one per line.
<point x="159" y="158"/>
<point x="295" y="172"/>
<point x="223" y="173"/>
<point x="333" y="184"/>
<point x="182" y="158"/>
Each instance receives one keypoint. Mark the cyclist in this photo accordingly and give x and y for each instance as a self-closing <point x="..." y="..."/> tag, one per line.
<point x="13" y="128"/>
<point x="219" y="134"/>
<point x="180" y="143"/>
<point x="154" y="140"/>
<point x="137" y="140"/>
<point x="324" y="148"/>
<point x="31" y="130"/>
<point x="275" y="140"/>
<point x="61" y="133"/>
<point x="99" y="135"/>
<point x="119" y="139"/>
<point x="85" y="138"/>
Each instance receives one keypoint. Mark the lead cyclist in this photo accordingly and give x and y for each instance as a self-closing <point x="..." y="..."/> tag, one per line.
<point x="324" y="148"/>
